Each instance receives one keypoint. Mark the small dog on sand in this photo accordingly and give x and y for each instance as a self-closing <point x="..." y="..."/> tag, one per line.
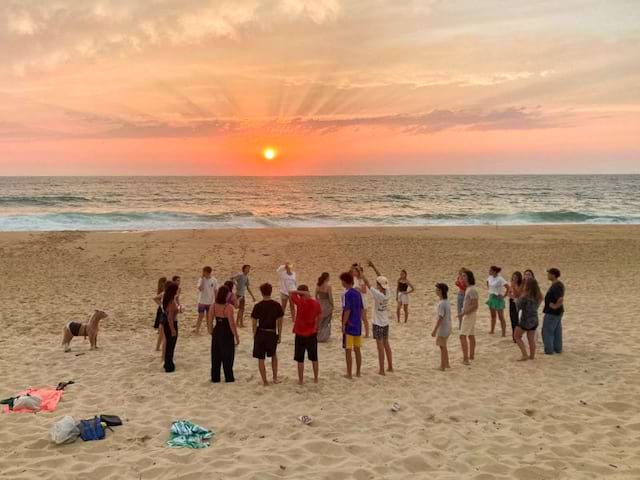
<point x="89" y="329"/>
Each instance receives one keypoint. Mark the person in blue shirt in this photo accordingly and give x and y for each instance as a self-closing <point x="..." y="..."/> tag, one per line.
<point x="352" y="308"/>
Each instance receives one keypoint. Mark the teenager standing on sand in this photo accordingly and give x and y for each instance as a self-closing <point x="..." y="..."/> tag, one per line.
<point x="442" y="329"/>
<point x="324" y="295"/>
<point x="515" y="290"/>
<point x="224" y="337"/>
<point x="358" y="284"/>
<point x="468" y="318"/>
<point x="461" y="290"/>
<point x="528" y="304"/>
<point x="207" y="288"/>
<point x="351" y="323"/>
<point x="305" y="328"/>
<point x="381" y="296"/>
<point x="170" y="309"/>
<point x="553" y="311"/>
<point x="402" y="296"/>
<point x="157" y="324"/>
<point x="288" y="283"/>
<point x="498" y="287"/>
<point x="266" y="319"/>
<point x="241" y="281"/>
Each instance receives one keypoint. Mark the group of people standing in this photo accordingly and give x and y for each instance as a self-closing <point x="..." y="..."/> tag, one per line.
<point x="312" y="315"/>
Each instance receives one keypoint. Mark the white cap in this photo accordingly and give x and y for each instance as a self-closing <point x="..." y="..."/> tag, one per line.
<point x="383" y="281"/>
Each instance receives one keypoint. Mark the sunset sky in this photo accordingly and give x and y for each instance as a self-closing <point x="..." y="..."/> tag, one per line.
<point x="202" y="87"/>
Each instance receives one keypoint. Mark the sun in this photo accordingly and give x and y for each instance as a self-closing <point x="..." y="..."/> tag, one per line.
<point x="269" y="153"/>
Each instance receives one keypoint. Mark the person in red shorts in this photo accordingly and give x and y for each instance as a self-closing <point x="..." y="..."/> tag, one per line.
<point x="305" y="327"/>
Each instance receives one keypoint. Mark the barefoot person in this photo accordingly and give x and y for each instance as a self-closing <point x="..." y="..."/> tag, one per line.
<point x="402" y="296"/>
<point x="498" y="287"/>
<point x="224" y="336"/>
<point x="358" y="284"/>
<point x="468" y="318"/>
<point x="528" y="304"/>
<point x="241" y="281"/>
<point x="515" y="291"/>
<point x="157" y="324"/>
<point x="461" y="290"/>
<point x="351" y="323"/>
<point x="207" y="289"/>
<point x="553" y="311"/>
<point x="305" y="327"/>
<point x="288" y="283"/>
<point x="170" y="309"/>
<point x="324" y="295"/>
<point x="442" y="329"/>
<point x="381" y="296"/>
<point x="266" y="319"/>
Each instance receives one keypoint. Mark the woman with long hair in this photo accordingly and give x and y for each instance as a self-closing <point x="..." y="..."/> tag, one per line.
<point x="515" y="290"/>
<point x="324" y="295"/>
<point x="170" y="310"/>
<point x="224" y="336"/>
<point x="231" y="297"/>
<point x="528" y="305"/>
<point x="461" y="291"/>
<point x="402" y="295"/>
<point x="497" y="286"/>
<point x="162" y="281"/>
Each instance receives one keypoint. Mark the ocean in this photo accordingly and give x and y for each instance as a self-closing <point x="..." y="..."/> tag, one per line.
<point x="159" y="203"/>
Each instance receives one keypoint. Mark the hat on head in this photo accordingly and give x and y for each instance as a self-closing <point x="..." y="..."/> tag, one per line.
<point x="383" y="281"/>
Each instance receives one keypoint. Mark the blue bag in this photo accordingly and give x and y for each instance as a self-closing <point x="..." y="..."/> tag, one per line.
<point x="91" y="429"/>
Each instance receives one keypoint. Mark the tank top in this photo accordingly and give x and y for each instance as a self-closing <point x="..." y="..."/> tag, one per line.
<point x="403" y="287"/>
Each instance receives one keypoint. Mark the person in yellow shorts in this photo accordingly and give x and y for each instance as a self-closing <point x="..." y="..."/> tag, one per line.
<point x="468" y="318"/>
<point x="352" y="308"/>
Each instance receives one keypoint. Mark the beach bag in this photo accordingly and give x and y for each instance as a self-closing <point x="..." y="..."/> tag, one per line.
<point x="111" y="420"/>
<point x="64" y="431"/>
<point x="91" y="429"/>
<point x="27" y="402"/>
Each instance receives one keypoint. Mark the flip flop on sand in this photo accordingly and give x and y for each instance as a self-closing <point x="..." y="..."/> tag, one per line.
<point x="305" y="420"/>
<point x="395" y="407"/>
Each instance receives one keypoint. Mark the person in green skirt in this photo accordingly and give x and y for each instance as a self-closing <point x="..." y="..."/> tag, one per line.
<point x="498" y="288"/>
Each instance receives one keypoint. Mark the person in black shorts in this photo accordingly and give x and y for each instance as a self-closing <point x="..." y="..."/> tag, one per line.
<point x="266" y="318"/>
<point x="308" y="313"/>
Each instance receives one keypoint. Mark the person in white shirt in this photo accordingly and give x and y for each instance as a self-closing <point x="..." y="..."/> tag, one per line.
<point x="498" y="288"/>
<point x="288" y="283"/>
<point x="442" y="330"/>
<point x="381" y="296"/>
<point x="207" y="289"/>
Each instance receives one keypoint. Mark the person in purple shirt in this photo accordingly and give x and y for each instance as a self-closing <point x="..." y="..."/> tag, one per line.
<point x="351" y="323"/>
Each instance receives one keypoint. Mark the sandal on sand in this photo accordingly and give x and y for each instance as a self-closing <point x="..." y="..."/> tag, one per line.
<point x="305" y="420"/>
<point x="395" y="407"/>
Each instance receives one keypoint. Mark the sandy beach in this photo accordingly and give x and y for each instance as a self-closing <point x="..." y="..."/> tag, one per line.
<point x="569" y="416"/>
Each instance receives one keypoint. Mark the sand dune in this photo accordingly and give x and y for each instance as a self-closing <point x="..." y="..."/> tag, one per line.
<point x="573" y="416"/>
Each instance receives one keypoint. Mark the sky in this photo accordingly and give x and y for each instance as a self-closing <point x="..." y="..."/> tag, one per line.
<point x="203" y="87"/>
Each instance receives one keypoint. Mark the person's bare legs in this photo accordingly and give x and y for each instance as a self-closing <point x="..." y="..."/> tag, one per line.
<point x="503" y="323"/>
<point x="443" y="358"/>
<point x="380" y="346"/>
<point x="365" y="320"/>
<point x="465" y="349"/>
<point x="493" y="320"/>
<point x="445" y="351"/>
<point x="198" y="323"/>
<point x="387" y="350"/>
<point x="472" y="347"/>
<point x="292" y="307"/>
<point x="349" y="360"/>
<point x="398" y="310"/>
<point x="160" y="339"/>
<point x="358" y="360"/>
<point x="531" y="338"/>
<point x="316" y="370"/>
<point x="406" y="312"/>
<point x="263" y="372"/>
<point x="274" y="368"/>
<point x="518" y="336"/>
<point x="240" y="319"/>
<point x="300" y="373"/>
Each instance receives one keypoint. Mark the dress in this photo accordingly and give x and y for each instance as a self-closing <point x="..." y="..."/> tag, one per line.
<point x="324" y="329"/>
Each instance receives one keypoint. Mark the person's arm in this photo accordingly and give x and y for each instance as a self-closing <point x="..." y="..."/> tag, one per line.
<point x="200" y="284"/>
<point x="254" y="325"/>
<point x="366" y="282"/>
<point x="158" y="299"/>
<point x="558" y="303"/>
<point x="345" y="319"/>
<point x="279" y="327"/>
<point x="410" y="289"/>
<point x="232" y="323"/>
<point x="210" y="321"/>
<point x="251" y="293"/>
<point x="374" y="268"/>
<point x="438" y="323"/>
<point x="330" y="293"/>
<point x="171" y="319"/>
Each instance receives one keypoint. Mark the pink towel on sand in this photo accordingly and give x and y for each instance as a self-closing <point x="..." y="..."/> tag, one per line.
<point x="49" y="398"/>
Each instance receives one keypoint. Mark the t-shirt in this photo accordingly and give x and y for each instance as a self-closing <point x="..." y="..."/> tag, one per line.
<point x="470" y="294"/>
<point x="352" y="301"/>
<point x="444" y="311"/>
<point x="496" y="285"/>
<point x="209" y="286"/>
<point x="287" y="282"/>
<point x="307" y="312"/>
<point x="555" y="292"/>
<point x="267" y="313"/>
<point x="242" y="282"/>
<point x="381" y="307"/>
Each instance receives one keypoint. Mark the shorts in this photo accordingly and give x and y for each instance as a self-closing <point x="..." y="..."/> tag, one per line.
<point x="442" y="341"/>
<point x="203" y="308"/>
<point x="495" y="302"/>
<point x="265" y="344"/>
<point x="380" y="332"/>
<point x="284" y="296"/>
<point x="352" y="342"/>
<point x="306" y="344"/>
<point x="468" y="325"/>
<point x="403" y="298"/>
